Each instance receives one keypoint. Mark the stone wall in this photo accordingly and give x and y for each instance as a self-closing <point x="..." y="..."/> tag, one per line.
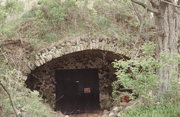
<point x="43" y="79"/>
<point x="74" y="45"/>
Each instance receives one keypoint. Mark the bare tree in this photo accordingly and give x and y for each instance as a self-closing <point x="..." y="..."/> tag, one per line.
<point x="12" y="104"/>
<point x="167" y="20"/>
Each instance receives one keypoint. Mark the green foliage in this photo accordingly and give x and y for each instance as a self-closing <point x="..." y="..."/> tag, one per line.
<point x="10" y="8"/>
<point x="2" y="15"/>
<point x="101" y="21"/>
<point x="26" y="102"/>
<point x="7" y="13"/>
<point x="156" y="110"/>
<point x="9" y="29"/>
<point x="13" y="6"/>
<point x="51" y="10"/>
<point x="52" y="20"/>
<point x="56" y="19"/>
<point x="138" y="75"/>
<point x="50" y="37"/>
<point x="35" y="107"/>
<point x="172" y="95"/>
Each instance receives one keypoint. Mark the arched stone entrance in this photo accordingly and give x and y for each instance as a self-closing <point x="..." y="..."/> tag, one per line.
<point x="80" y="54"/>
<point x="74" y="45"/>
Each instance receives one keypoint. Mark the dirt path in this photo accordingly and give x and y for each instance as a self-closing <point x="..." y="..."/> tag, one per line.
<point x="98" y="114"/>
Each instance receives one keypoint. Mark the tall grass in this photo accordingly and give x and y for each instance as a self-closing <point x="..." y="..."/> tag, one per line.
<point x="155" y="110"/>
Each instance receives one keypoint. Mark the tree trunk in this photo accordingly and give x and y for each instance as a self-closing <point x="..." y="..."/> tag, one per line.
<point x="167" y="25"/>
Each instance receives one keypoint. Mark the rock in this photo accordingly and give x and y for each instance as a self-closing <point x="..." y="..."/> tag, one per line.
<point x="83" y="60"/>
<point x="105" y="112"/>
<point x="78" y="48"/>
<point x="55" y="54"/>
<point x="41" y="62"/>
<point x="54" y="48"/>
<point x="37" y="57"/>
<point x="116" y="109"/>
<point x="49" y="57"/>
<point x="37" y="63"/>
<point x="81" y="46"/>
<point x="39" y="53"/>
<point x="24" y="78"/>
<point x="31" y="66"/>
<point x="123" y="104"/>
<point x="111" y="114"/>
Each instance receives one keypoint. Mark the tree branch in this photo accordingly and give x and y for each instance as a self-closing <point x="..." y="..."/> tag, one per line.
<point x="178" y="6"/>
<point x="177" y="10"/>
<point x="4" y="88"/>
<point x="145" y="6"/>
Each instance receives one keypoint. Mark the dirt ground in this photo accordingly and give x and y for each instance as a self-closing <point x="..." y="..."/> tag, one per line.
<point x="97" y="114"/>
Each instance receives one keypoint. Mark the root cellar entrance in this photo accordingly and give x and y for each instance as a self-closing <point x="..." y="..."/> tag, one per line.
<point x="79" y="82"/>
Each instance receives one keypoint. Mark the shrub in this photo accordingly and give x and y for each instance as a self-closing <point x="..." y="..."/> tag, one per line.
<point x="26" y="102"/>
<point x="138" y="75"/>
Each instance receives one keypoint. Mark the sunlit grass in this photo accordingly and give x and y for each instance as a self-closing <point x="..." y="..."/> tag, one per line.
<point x="158" y="110"/>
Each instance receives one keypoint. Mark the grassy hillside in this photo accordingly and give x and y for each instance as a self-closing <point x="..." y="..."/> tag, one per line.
<point x="45" y="22"/>
<point x="50" y="21"/>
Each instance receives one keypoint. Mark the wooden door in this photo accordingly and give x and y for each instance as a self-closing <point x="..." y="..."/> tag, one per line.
<point x="77" y="91"/>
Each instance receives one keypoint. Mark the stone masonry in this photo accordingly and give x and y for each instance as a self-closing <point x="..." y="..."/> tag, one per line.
<point x="74" y="45"/>
<point x="77" y="53"/>
<point x="43" y="77"/>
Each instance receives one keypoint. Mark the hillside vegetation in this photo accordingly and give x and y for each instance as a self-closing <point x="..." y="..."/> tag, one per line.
<point x="45" y="22"/>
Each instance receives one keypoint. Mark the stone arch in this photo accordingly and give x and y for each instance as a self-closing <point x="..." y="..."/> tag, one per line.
<point x="74" y="45"/>
<point x="84" y="48"/>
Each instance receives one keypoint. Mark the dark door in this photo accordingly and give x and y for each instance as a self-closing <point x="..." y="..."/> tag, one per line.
<point x="77" y="91"/>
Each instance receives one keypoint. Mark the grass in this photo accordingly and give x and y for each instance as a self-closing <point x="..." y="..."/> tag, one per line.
<point x="41" y="29"/>
<point x="52" y="21"/>
<point x="155" y="110"/>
